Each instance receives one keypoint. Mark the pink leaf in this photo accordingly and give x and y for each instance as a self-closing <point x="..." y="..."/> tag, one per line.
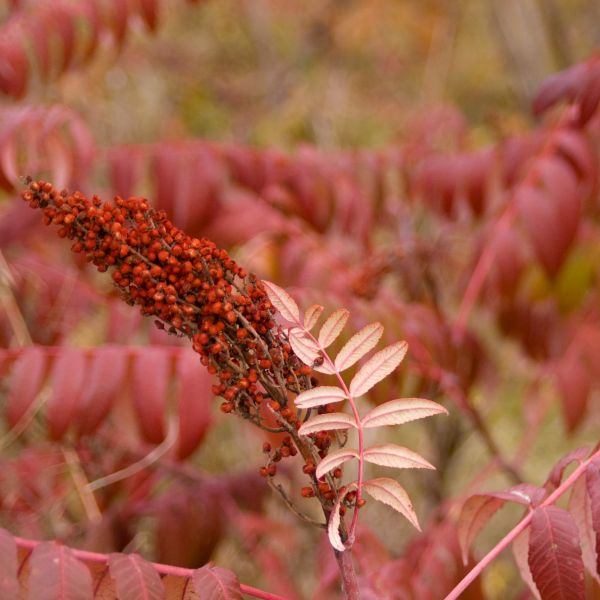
<point x="391" y="455"/>
<point x="9" y="584"/>
<point x="307" y="350"/>
<point x="57" y="575"/>
<point x="333" y="326"/>
<point x="194" y="398"/>
<point x="103" y="385"/>
<point x="335" y="459"/>
<point x="68" y="376"/>
<point x="358" y="345"/>
<point x="320" y="396"/>
<point x="379" y="366"/>
<point x="327" y="422"/>
<point x="26" y="380"/>
<point x="311" y="316"/>
<point x="403" y="410"/>
<point x="135" y="578"/>
<point x="333" y="526"/>
<point x="283" y="302"/>
<point x="216" y="583"/>
<point x="390" y="492"/>
<point x="580" y="508"/>
<point x="555" y="556"/>
<point x="593" y="490"/>
<point x="520" y="548"/>
<point x="150" y="378"/>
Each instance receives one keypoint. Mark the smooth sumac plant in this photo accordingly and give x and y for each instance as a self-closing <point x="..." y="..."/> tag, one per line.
<point x="427" y="278"/>
<point x="193" y="289"/>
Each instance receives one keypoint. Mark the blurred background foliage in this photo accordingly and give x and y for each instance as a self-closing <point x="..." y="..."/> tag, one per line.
<point x="336" y="73"/>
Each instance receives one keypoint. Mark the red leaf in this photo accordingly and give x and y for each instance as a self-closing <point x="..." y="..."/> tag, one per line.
<point x="104" y="382"/>
<point x="593" y="490"/>
<point x="216" y="583"/>
<point x="194" y="397"/>
<point x="520" y="548"/>
<point x="545" y="228"/>
<point x="555" y="556"/>
<point x="68" y="375"/>
<point x="480" y="508"/>
<point x="150" y="378"/>
<point x="9" y="584"/>
<point x="28" y="374"/>
<point x="135" y="578"/>
<point x="574" y="385"/>
<point x="558" y="470"/>
<point x="579" y="507"/>
<point x="57" y="575"/>
<point x="475" y="513"/>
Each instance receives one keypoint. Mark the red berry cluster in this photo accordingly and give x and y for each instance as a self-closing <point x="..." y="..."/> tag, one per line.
<point x="192" y="287"/>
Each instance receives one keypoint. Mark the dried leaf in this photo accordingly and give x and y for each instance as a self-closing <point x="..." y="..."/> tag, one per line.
<point x="320" y="396"/>
<point x="379" y="366"/>
<point x="335" y="459"/>
<point x="283" y="302"/>
<point x="391" y="455"/>
<point x="554" y="554"/>
<point x="216" y="583"/>
<point x="327" y="422"/>
<point x="57" y="575"/>
<point x="390" y="492"/>
<point x="333" y="326"/>
<point x="402" y="410"/>
<point x="135" y="578"/>
<point x="311" y="316"/>
<point x="358" y="345"/>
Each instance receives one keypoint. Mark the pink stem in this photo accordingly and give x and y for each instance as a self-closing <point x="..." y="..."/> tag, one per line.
<point x="349" y="581"/>
<point x="509" y="537"/>
<point x="160" y="568"/>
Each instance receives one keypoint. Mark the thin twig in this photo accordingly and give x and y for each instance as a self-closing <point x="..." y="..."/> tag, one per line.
<point x="86" y="495"/>
<point x="279" y="488"/>
<point x="150" y="458"/>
